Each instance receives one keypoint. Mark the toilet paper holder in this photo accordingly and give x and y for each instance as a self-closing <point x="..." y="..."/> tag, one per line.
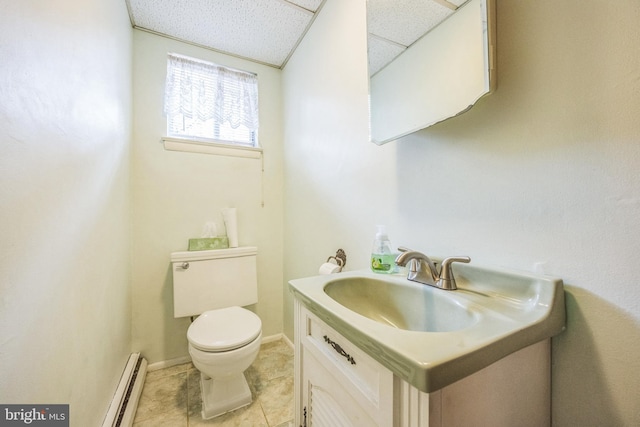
<point x="340" y="258"/>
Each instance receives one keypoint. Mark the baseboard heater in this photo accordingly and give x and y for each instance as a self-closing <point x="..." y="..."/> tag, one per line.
<point x="125" y="401"/>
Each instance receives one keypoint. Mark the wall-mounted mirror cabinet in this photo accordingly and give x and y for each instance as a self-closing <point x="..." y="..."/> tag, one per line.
<point x="429" y="60"/>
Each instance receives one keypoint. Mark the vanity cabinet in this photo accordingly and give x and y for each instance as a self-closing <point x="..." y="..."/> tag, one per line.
<point x="339" y="384"/>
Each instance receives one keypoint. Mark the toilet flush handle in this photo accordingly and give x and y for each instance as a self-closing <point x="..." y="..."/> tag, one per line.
<point x="184" y="265"/>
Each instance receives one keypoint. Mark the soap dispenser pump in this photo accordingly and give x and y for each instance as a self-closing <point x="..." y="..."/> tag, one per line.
<point x="382" y="256"/>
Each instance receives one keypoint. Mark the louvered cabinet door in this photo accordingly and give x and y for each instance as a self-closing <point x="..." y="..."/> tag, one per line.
<point x="325" y="400"/>
<point x="338" y="384"/>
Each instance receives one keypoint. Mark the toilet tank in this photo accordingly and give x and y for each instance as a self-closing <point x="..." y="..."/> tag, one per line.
<point x="208" y="280"/>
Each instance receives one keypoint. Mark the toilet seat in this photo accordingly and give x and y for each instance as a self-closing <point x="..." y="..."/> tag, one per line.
<point x="224" y="329"/>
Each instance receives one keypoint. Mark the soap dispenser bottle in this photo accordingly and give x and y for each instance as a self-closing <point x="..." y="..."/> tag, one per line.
<point x="382" y="257"/>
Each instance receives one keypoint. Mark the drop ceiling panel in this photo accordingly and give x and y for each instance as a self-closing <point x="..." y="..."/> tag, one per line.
<point x="404" y="21"/>
<point x="268" y="31"/>
<point x="381" y="52"/>
<point x="263" y="30"/>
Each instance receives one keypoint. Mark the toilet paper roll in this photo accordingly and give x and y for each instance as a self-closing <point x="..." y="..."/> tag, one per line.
<point x="231" y="224"/>
<point x="329" y="268"/>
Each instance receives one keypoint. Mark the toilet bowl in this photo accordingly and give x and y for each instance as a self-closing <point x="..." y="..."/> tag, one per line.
<point x="223" y="343"/>
<point x="224" y="339"/>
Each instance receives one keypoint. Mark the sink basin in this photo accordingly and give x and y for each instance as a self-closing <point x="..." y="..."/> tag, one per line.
<point x="403" y="305"/>
<point x="430" y="337"/>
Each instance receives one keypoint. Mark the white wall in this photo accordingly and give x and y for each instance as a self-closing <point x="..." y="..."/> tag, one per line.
<point x="65" y="95"/>
<point x="545" y="170"/>
<point x="175" y="193"/>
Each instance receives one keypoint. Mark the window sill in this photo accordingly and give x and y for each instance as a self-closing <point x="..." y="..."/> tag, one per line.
<point x="197" y="146"/>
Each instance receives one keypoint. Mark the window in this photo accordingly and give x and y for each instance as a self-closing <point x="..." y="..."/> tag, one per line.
<point x="208" y="102"/>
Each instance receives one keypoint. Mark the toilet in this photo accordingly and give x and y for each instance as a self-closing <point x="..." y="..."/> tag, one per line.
<point x="225" y="338"/>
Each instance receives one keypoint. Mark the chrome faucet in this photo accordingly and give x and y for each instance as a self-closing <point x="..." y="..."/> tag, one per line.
<point x="423" y="270"/>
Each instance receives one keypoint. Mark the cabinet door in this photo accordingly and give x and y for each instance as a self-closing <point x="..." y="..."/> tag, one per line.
<point x="325" y="400"/>
<point x="336" y="383"/>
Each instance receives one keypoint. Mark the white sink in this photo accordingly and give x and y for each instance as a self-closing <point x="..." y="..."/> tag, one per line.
<point x="431" y="337"/>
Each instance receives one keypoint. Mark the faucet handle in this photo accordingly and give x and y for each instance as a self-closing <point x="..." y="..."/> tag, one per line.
<point x="447" y="281"/>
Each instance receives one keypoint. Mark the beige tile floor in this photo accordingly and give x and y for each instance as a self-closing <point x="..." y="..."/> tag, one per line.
<point x="171" y="396"/>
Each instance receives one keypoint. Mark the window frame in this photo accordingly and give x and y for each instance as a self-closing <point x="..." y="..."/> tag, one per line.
<point x="210" y="146"/>
<point x="176" y="141"/>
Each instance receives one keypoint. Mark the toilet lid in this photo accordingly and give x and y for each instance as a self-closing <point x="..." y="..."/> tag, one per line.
<point x="224" y="329"/>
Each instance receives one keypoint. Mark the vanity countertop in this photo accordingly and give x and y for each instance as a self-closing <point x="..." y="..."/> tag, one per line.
<point x="512" y="310"/>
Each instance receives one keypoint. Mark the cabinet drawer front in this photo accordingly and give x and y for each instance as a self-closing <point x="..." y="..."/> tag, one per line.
<point x="369" y="382"/>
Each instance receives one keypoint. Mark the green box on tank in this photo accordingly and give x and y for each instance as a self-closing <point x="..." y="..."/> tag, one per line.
<point x="208" y="243"/>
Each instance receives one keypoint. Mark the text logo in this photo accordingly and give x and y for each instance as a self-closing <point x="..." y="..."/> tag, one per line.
<point x="34" y="415"/>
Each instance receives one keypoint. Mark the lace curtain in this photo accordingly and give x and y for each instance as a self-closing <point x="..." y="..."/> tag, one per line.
<point x="203" y="91"/>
